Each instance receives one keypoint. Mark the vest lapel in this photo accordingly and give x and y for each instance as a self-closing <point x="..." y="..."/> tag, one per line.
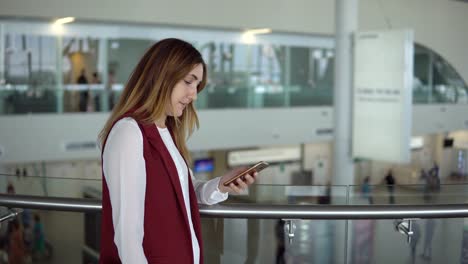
<point x="195" y="216"/>
<point x="195" y="211"/>
<point x="156" y="142"/>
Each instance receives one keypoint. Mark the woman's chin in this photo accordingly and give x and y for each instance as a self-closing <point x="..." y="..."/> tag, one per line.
<point x="179" y="113"/>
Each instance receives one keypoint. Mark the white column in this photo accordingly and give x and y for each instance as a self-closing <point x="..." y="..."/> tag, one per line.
<point x="2" y="66"/>
<point x="346" y="14"/>
<point x="2" y="54"/>
<point x="104" y="73"/>
<point x="287" y="79"/>
<point x="59" y="74"/>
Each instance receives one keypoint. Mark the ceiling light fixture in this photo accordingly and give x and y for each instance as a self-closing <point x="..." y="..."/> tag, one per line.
<point x="64" y="20"/>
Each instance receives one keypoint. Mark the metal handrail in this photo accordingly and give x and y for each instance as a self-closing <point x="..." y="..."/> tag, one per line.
<point x="335" y="212"/>
<point x="260" y="211"/>
<point x="50" y="203"/>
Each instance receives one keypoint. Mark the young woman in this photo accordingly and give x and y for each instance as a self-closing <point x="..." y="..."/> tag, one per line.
<point x="149" y="202"/>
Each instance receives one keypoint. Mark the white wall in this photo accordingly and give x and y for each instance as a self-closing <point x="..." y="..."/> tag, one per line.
<point x="438" y="24"/>
<point x="64" y="230"/>
<point x="66" y="178"/>
<point x="460" y="138"/>
<point x="424" y="158"/>
<point x="224" y="129"/>
<point x="295" y="15"/>
<point x="439" y="118"/>
<point x="316" y="154"/>
<point x="41" y="137"/>
<point x="403" y="173"/>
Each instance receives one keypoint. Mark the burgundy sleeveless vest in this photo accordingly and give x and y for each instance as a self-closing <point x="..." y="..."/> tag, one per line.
<point x="167" y="237"/>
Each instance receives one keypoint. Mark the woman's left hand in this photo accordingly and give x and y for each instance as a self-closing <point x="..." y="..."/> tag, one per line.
<point x="240" y="184"/>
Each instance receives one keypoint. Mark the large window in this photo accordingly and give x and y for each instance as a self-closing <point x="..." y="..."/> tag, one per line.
<point x="435" y="80"/>
<point x="84" y="67"/>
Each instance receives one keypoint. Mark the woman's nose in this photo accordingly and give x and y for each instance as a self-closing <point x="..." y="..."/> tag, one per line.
<point x="193" y="94"/>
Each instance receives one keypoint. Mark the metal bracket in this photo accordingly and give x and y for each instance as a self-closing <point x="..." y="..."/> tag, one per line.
<point x="289" y="228"/>
<point x="10" y="215"/>
<point x="405" y="226"/>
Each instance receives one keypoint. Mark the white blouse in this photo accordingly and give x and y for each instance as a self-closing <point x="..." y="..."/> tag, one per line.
<point x="125" y="174"/>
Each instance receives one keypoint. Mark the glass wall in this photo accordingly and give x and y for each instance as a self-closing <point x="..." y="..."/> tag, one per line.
<point x="30" y="74"/>
<point x="435" y="80"/>
<point x="84" y="67"/>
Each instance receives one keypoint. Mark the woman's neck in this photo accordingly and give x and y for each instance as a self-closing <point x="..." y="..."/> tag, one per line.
<point x="161" y="122"/>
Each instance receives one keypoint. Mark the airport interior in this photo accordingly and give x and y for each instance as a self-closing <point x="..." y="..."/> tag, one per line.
<point x="360" y="108"/>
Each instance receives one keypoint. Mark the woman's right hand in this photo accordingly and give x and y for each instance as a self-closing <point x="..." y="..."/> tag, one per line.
<point x="240" y="184"/>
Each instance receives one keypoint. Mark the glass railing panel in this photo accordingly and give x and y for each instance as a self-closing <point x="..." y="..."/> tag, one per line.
<point x="266" y="241"/>
<point x="433" y="241"/>
<point x="74" y="98"/>
<point x="449" y="94"/>
<point x="263" y="96"/>
<point x="86" y="98"/>
<point x="224" y="96"/>
<point x="307" y="95"/>
<point x="446" y="94"/>
<point x="290" y="194"/>
<point x="240" y="240"/>
<point x="50" y="237"/>
<point x="30" y="181"/>
<point x="22" y="99"/>
<point x="317" y="241"/>
<point x="421" y="94"/>
<point x="409" y="194"/>
<point x="50" y="186"/>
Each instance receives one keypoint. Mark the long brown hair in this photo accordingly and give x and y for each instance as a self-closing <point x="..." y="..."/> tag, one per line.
<point x="148" y="91"/>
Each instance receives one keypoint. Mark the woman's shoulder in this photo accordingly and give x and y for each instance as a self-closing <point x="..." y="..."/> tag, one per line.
<point x="125" y="124"/>
<point x="126" y="121"/>
<point x="125" y="127"/>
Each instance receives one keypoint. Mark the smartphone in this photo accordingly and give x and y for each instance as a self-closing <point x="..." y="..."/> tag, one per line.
<point x="255" y="168"/>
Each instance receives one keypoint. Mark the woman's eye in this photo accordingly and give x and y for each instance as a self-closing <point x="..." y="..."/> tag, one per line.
<point x="187" y="82"/>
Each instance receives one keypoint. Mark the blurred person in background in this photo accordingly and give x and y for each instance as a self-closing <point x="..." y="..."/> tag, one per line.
<point x="16" y="248"/>
<point x="94" y="101"/>
<point x="414" y="240"/>
<point x="84" y="90"/>
<point x="390" y="183"/>
<point x="429" y="230"/>
<point x="95" y="79"/>
<point x="39" y="246"/>
<point x="366" y="190"/>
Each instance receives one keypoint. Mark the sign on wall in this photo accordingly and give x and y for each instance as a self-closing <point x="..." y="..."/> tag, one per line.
<point x="382" y="95"/>
<point x="272" y="155"/>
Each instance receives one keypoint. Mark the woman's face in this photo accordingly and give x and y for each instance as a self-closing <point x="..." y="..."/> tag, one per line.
<point x="185" y="91"/>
